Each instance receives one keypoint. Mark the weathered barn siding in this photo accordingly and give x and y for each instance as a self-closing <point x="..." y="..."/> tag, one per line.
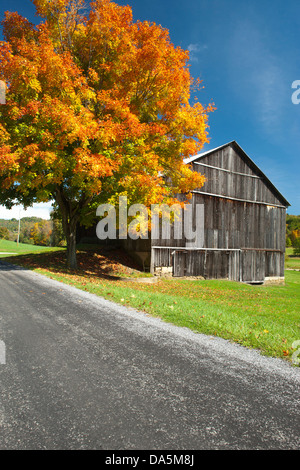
<point x="244" y="223"/>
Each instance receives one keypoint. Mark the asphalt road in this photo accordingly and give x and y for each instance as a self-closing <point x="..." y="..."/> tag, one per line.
<point x="84" y="373"/>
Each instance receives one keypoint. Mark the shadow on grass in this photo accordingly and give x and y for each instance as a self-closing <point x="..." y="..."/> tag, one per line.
<point x="95" y="262"/>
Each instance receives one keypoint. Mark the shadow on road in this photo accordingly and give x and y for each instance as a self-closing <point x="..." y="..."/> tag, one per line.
<point x="102" y="263"/>
<point x="5" y="266"/>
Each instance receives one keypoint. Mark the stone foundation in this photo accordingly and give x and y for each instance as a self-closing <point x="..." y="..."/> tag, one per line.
<point x="274" y="280"/>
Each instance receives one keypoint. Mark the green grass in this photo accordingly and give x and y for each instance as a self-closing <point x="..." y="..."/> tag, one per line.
<point x="7" y="247"/>
<point x="291" y="261"/>
<point x="262" y="317"/>
<point x="266" y="318"/>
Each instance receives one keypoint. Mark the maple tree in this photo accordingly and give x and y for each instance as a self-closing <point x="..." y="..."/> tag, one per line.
<point x="97" y="106"/>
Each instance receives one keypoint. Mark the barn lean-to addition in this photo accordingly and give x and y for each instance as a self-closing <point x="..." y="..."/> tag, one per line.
<point x="244" y="223"/>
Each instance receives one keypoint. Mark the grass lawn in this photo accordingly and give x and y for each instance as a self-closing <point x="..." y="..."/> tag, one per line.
<point x="7" y="247"/>
<point x="262" y="317"/>
<point x="291" y="261"/>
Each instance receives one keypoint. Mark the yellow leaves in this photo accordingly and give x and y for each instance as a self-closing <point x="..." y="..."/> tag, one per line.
<point x="32" y="108"/>
<point x="4" y="135"/>
<point x="29" y="155"/>
<point x="100" y="102"/>
<point x="90" y="169"/>
<point x="93" y="76"/>
<point x="141" y="186"/>
<point x="111" y="19"/>
<point x="185" y="180"/>
<point x="8" y="160"/>
<point x="54" y="8"/>
<point x="15" y="27"/>
<point x="35" y="85"/>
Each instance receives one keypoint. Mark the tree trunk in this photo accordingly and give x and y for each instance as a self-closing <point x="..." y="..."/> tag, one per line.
<point x="71" y="245"/>
<point x="69" y="222"/>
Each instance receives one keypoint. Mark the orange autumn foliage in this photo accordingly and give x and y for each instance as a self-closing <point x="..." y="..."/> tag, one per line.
<point x="97" y="105"/>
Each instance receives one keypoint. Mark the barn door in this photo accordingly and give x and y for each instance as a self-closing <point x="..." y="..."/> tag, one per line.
<point x="253" y="266"/>
<point x="216" y="264"/>
<point x="179" y="263"/>
<point x="234" y="265"/>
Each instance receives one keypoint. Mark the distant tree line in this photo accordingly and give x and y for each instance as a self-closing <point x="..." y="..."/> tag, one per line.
<point x="33" y="231"/>
<point x="293" y="232"/>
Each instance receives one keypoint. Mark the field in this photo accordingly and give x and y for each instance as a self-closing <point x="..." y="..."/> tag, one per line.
<point x="291" y="262"/>
<point x="263" y="317"/>
<point x="7" y="248"/>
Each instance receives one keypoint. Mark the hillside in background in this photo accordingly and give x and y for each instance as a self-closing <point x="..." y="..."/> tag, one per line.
<point x="292" y="230"/>
<point x="12" y="224"/>
<point x="33" y="231"/>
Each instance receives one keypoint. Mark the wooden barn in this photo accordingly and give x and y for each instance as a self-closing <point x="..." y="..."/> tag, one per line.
<point x="244" y="224"/>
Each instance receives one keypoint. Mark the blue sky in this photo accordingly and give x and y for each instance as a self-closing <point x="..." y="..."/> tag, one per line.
<point x="248" y="56"/>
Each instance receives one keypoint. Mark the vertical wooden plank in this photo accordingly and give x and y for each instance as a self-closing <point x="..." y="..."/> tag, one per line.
<point x="179" y="264"/>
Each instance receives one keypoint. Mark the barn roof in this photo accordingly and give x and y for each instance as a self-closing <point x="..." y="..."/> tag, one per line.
<point x="248" y="160"/>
